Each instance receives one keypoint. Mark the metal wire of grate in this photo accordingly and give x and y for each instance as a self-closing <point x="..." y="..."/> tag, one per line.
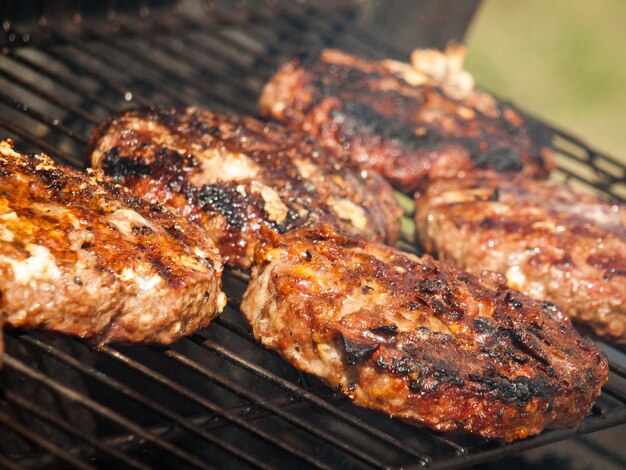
<point x="215" y="398"/>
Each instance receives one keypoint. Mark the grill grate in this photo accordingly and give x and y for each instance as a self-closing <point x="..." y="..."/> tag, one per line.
<point x="215" y="398"/>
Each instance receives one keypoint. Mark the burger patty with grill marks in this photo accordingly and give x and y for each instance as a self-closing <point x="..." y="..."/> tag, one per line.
<point x="419" y="339"/>
<point x="234" y="175"/>
<point x="550" y="242"/>
<point x="83" y="256"/>
<point x="409" y="133"/>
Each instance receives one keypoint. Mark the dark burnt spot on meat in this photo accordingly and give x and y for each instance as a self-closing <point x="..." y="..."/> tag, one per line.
<point x="119" y="167"/>
<point x="175" y="231"/>
<point x="142" y="230"/>
<point x="448" y="375"/>
<point x="365" y="290"/>
<point x="196" y="141"/>
<point x="416" y="385"/>
<point x="483" y="324"/>
<point x="292" y="220"/>
<point x="585" y="344"/>
<point x="529" y="345"/>
<point x="539" y="259"/>
<point x="405" y="365"/>
<point x="217" y="198"/>
<point x="522" y="389"/>
<point x="549" y="307"/>
<point x="165" y="271"/>
<point x="405" y="124"/>
<point x="355" y="351"/>
<point x="433" y="286"/>
<point x="385" y="330"/>
<point x="360" y="118"/>
<point x="54" y="178"/>
<point x="512" y="300"/>
<point x="495" y="359"/>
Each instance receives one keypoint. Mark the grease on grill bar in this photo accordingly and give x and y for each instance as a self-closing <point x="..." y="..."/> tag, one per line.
<point x="216" y="398"/>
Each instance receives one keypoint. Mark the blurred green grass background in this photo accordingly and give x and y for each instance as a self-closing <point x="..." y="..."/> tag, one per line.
<point x="564" y="61"/>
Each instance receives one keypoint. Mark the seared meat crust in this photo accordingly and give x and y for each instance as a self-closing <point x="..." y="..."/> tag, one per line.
<point x="234" y="175"/>
<point x="82" y="256"/>
<point x="409" y="134"/>
<point x="549" y="241"/>
<point x="419" y="339"/>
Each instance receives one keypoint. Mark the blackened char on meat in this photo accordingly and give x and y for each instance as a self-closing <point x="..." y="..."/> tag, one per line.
<point x="83" y="256"/>
<point x="234" y="175"/>
<point x="408" y="133"/>
<point x="549" y="241"/>
<point x="419" y="339"/>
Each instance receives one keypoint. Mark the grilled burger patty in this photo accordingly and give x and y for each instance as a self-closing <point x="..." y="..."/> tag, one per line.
<point x="234" y="175"/>
<point x="82" y="256"/>
<point x="549" y="241"/>
<point x="408" y="133"/>
<point x="419" y="339"/>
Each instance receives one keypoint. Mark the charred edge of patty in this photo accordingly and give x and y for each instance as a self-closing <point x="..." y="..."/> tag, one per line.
<point x="362" y="118"/>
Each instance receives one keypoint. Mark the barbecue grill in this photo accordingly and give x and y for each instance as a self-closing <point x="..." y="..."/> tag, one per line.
<point x="215" y="399"/>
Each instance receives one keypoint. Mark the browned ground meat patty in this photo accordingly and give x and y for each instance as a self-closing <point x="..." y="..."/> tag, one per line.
<point x="419" y="339"/>
<point x="234" y="175"/>
<point x="409" y="134"/>
<point x="549" y="241"/>
<point x="82" y="256"/>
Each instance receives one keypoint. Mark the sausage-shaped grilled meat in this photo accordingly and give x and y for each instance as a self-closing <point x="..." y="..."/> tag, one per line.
<point x="83" y="256"/>
<point x="234" y="175"/>
<point x="419" y="339"/>
<point x="549" y="241"/>
<point x="408" y="133"/>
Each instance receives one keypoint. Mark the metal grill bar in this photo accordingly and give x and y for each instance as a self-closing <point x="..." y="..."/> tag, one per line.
<point x="232" y="63"/>
<point x="591" y="424"/>
<point x="213" y="408"/>
<point x="40" y="441"/>
<point x="67" y="83"/>
<point x="101" y="410"/>
<point x="259" y="401"/>
<point x="172" y="95"/>
<point x="305" y="395"/>
<point x="617" y="369"/>
<point x="41" y="117"/>
<point x="614" y="392"/>
<point x="69" y="429"/>
<point x="50" y="97"/>
<point x="41" y="143"/>
<point x="108" y="82"/>
<point x="169" y="75"/>
<point x="140" y="398"/>
<point x="244" y="92"/>
<point x="460" y="450"/>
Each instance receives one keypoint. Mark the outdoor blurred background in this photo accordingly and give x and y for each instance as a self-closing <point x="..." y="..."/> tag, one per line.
<point x="564" y="61"/>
